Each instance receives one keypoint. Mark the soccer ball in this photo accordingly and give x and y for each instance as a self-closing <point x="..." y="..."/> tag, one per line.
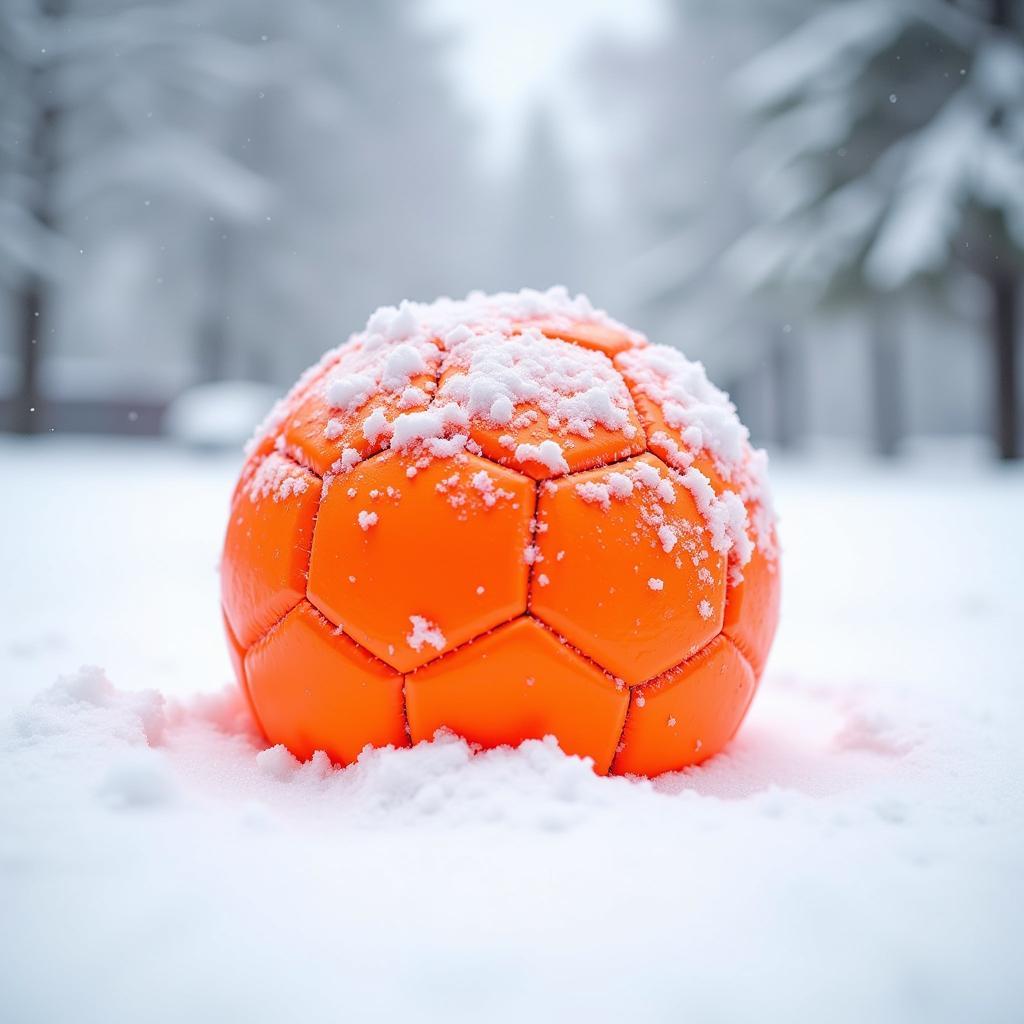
<point x="508" y="517"/>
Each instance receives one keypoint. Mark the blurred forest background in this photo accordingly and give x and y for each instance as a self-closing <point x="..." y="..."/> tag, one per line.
<point x="821" y="199"/>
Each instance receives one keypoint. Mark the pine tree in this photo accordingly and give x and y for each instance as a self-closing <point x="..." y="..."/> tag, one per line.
<point x="102" y="111"/>
<point x="261" y="174"/>
<point x="891" y="152"/>
<point x="28" y="115"/>
<point x="366" y="155"/>
<point x="675" y="140"/>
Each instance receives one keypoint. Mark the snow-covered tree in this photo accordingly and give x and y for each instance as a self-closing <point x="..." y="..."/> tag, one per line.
<point x="891" y="151"/>
<point x="113" y="102"/>
<point x="673" y="144"/>
<point x="228" y="184"/>
<point x="368" y="157"/>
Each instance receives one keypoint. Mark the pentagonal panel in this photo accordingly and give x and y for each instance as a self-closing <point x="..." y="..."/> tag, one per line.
<point x="346" y="413"/>
<point x="664" y="385"/>
<point x="626" y="571"/>
<point x="668" y="444"/>
<point x="541" y="405"/>
<point x="415" y="561"/>
<point x="266" y="550"/>
<point x="600" y="337"/>
<point x="519" y="682"/>
<point x="752" y="608"/>
<point x="314" y="689"/>
<point x="688" y="714"/>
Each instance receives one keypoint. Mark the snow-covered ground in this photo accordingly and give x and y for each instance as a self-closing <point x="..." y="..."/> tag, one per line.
<point x="858" y="854"/>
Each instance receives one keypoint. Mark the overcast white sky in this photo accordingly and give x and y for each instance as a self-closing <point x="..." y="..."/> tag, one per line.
<point x="516" y="53"/>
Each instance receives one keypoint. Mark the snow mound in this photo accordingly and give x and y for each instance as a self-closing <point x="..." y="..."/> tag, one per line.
<point x="143" y="750"/>
<point x="572" y="386"/>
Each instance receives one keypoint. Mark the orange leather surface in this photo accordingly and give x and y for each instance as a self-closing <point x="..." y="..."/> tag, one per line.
<point x="752" y="609"/>
<point x="495" y="596"/>
<point x="519" y="682"/>
<point x="266" y="553"/>
<point x="601" y="565"/>
<point x="447" y="546"/>
<point x="688" y="714"/>
<point x="315" y="689"/>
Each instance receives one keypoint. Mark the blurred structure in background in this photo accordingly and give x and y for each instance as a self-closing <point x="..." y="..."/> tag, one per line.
<point x="824" y="201"/>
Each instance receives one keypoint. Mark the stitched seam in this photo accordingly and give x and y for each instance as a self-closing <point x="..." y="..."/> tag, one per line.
<point x="738" y="647"/>
<point x="305" y="600"/>
<point x="533" y="543"/>
<point x="466" y="643"/>
<point x="305" y="596"/>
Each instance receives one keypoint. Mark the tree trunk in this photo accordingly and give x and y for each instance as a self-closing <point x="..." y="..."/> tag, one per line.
<point x="1000" y="13"/>
<point x="212" y="354"/>
<point x="886" y="383"/>
<point x="33" y="299"/>
<point x="27" y="396"/>
<point x="787" y="393"/>
<point x="1005" y="288"/>
<point x="1005" y="327"/>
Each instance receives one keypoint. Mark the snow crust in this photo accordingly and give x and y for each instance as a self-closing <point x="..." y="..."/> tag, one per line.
<point x="278" y="479"/>
<point x="402" y="343"/>
<point x="548" y="453"/>
<point x="491" y="375"/>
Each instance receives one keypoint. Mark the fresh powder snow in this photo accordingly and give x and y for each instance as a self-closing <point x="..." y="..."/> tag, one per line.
<point x="424" y="632"/>
<point x="428" y="380"/>
<point x="853" y="855"/>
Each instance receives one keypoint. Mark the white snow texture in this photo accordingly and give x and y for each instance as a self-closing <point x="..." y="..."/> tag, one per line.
<point x="854" y="855"/>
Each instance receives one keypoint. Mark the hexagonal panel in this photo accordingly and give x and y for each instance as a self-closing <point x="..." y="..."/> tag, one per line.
<point x="626" y="571"/>
<point x="519" y="682"/>
<point x="541" y="405"/>
<point x="667" y="443"/>
<point x="688" y="714"/>
<point x="266" y="550"/>
<point x="665" y="440"/>
<point x="414" y="565"/>
<point x="314" y="689"/>
<point x="319" y="429"/>
<point x="600" y="337"/>
<point x="752" y="609"/>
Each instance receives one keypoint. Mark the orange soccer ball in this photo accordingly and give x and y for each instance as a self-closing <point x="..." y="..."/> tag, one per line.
<point x="509" y="517"/>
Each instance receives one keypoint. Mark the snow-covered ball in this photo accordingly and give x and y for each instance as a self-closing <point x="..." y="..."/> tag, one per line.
<point x="509" y="517"/>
